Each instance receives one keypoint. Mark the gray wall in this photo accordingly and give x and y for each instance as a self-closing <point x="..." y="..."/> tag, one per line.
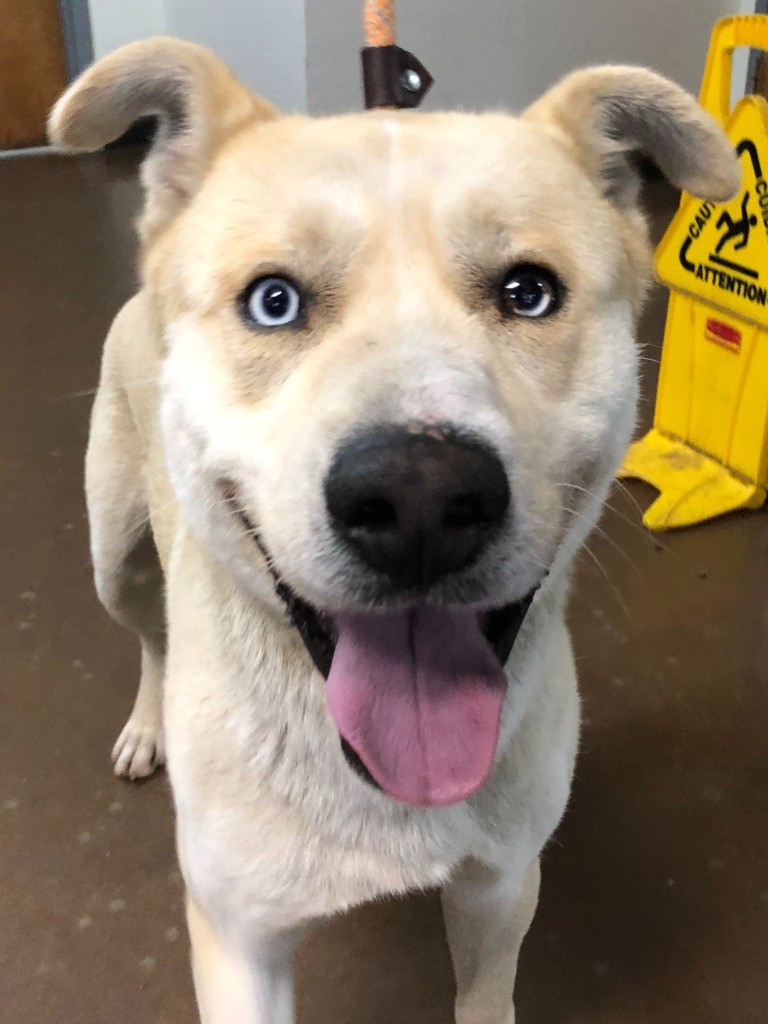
<point x="483" y="53"/>
<point x="504" y="53"/>
<point x="116" y="22"/>
<point x="263" y="41"/>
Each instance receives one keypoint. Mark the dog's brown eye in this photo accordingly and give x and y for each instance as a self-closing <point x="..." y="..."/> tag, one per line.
<point x="530" y="291"/>
<point x="272" y="302"/>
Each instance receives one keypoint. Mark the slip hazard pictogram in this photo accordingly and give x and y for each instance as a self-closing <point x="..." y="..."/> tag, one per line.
<point x="720" y="253"/>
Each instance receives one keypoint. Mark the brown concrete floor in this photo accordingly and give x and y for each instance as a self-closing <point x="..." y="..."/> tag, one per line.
<point x="655" y="896"/>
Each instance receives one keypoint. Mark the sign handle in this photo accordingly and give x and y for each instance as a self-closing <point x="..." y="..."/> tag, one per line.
<point x="728" y="34"/>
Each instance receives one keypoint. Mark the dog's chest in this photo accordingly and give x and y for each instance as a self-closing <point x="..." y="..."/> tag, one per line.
<point x="270" y="814"/>
<point x="269" y="811"/>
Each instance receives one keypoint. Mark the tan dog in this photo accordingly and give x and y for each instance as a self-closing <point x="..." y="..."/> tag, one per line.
<point x="356" y="424"/>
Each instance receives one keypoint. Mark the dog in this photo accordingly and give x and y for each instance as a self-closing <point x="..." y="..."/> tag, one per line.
<point x="348" y="438"/>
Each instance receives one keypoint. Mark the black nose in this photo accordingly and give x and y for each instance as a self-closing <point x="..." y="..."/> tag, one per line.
<point x="416" y="506"/>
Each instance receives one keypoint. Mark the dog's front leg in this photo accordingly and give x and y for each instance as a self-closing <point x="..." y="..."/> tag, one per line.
<point x="248" y="984"/>
<point x="487" y="913"/>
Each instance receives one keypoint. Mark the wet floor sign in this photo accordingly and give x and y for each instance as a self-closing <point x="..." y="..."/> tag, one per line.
<point x="708" y="450"/>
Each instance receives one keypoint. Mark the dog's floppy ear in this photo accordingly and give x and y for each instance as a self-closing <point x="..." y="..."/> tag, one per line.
<point x="611" y="114"/>
<point x="197" y="101"/>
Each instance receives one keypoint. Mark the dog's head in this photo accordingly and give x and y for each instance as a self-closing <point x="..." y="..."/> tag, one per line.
<point x="400" y="367"/>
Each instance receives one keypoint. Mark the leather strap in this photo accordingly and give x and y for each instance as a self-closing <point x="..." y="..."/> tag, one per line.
<point x="393" y="77"/>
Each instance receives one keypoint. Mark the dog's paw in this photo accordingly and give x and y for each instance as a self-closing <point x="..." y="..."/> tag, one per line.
<point x="140" y="748"/>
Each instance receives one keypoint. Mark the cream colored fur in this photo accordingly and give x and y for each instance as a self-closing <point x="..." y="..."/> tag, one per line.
<point x="400" y="225"/>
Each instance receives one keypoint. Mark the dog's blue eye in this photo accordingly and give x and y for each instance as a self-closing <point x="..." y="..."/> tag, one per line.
<point x="272" y="302"/>
<point x="530" y="291"/>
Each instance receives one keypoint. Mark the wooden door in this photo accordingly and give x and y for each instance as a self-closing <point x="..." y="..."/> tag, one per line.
<point x="33" y="70"/>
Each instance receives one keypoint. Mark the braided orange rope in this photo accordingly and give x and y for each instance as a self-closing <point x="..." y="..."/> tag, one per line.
<point x="379" y="22"/>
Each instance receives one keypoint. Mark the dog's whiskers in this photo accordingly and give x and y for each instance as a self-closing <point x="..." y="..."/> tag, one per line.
<point x="85" y="393"/>
<point x="614" y="589"/>
<point x="606" y="537"/>
<point x="609" y="507"/>
<point x="90" y="392"/>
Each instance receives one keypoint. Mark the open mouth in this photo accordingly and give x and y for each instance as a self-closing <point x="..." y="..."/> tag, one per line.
<point x="319" y="631"/>
<point x="416" y="693"/>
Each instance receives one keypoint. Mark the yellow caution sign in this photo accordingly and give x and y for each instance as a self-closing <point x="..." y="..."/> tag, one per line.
<point x="708" y="450"/>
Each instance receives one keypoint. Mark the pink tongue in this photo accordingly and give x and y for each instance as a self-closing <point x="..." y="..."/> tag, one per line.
<point x="418" y="695"/>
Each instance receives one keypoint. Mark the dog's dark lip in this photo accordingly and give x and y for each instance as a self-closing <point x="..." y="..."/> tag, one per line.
<point x="318" y="630"/>
<point x="315" y="628"/>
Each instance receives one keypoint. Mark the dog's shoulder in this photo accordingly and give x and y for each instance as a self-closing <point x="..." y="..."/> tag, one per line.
<point x="132" y="357"/>
<point x="135" y="335"/>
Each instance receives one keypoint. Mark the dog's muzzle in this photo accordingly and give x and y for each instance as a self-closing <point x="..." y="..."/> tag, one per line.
<point x="416" y="689"/>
